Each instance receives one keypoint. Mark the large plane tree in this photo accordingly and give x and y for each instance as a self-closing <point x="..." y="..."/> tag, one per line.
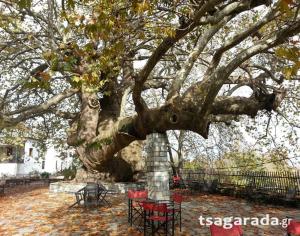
<point x="91" y="61"/>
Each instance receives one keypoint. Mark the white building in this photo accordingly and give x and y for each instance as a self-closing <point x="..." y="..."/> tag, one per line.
<point x="16" y="160"/>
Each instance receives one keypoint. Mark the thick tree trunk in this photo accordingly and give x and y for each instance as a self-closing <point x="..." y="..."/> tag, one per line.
<point x="100" y="135"/>
<point x="127" y="165"/>
<point x="99" y="141"/>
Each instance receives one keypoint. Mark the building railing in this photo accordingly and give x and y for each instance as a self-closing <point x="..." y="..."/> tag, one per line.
<point x="279" y="183"/>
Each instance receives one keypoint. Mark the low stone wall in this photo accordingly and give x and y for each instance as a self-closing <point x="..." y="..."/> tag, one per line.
<point x="65" y="187"/>
<point x="72" y="187"/>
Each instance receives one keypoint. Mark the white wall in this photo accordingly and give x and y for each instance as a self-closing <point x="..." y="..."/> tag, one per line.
<point x="33" y="162"/>
<point x="21" y="169"/>
<point x="55" y="164"/>
<point x="10" y="169"/>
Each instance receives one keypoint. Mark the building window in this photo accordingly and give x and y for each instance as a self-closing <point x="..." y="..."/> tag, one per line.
<point x="43" y="164"/>
<point x="18" y="155"/>
<point x="9" y="151"/>
<point x="30" y="152"/>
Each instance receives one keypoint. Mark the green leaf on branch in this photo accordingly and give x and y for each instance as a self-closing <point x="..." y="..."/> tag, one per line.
<point x="285" y="7"/>
<point x="24" y="4"/>
<point x="291" y="71"/>
<point x="291" y="54"/>
<point x="71" y="4"/>
<point x="99" y="144"/>
<point x="41" y="82"/>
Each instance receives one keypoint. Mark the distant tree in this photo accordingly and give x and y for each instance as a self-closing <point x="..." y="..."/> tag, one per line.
<point x="241" y="161"/>
<point x="250" y="160"/>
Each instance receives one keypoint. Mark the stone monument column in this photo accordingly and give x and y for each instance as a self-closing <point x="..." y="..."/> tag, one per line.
<point x="157" y="167"/>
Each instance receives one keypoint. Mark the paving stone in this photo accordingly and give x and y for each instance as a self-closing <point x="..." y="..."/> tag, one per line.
<point x="26" y="230"/>
<point x="48" y="214"/>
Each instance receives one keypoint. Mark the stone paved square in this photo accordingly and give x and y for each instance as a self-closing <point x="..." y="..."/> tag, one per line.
<point x="39" y="212"/>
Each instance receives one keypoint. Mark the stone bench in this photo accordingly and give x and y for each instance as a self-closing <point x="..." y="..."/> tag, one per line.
<point x="72" y="187"/>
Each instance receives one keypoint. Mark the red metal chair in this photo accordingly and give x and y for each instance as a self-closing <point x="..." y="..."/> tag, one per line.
<point x="157" y="217"/>
<point x="177" y="199"/>
<point x="293" y="228"/>
<point x="178" y="182"/>
<point x="135" y="213"/>
<point x="176" y="179"/>
<point x="235" y="230"/>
